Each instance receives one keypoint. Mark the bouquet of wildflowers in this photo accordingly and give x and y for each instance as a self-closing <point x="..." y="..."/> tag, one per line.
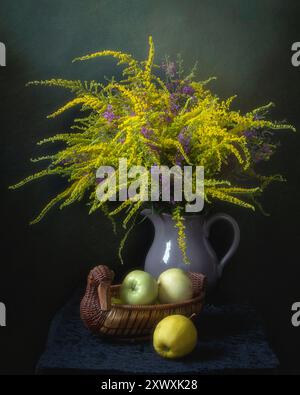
<point x="156" y="116"/>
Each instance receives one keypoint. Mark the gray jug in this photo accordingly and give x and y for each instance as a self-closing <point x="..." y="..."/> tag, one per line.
<point x="165" y="253"/>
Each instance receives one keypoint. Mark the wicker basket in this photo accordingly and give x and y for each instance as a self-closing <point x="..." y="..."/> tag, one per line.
<point x="130" y="321"/>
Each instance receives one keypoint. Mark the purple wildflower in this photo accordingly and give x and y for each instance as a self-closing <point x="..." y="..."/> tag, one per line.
<point x="174" y="105"/>
<point x="249" y="133"/>
<point x="167" y="118"/>
<point x="174" y="108"/>
<point x="154" y="147"/>
<point x="178" y="159"/>
<point x="147" y="133"/>
<point x="188" y="90"/>
<point x="185" y="143"/>
<point x="170" y="86"/>
<point x="173" y="86"/>
<point x="109" y="114"/>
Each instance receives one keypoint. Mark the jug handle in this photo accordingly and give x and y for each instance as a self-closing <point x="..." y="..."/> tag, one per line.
<point x="235" y="241"/>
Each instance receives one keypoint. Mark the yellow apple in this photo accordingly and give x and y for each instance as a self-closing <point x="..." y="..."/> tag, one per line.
<point x="174" y="286"/>
<point x="175" y="336"/>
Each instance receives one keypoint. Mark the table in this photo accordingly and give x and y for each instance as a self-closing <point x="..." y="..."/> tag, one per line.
<point x="231" y="340"/>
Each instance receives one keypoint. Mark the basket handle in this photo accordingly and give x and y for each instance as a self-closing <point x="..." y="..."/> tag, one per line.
<point x="104" y="296"/>
<point x="101" y="278"/>
<point x="199" y="282"/>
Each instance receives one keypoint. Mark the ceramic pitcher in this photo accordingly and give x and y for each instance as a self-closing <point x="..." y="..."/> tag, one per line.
<point x="165" y="253"/>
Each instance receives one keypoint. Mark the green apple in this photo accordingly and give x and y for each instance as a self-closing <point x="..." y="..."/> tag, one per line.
<point x="139" y="287"/>
<point x="174" y="286"/>
<point x="116" y="301"/>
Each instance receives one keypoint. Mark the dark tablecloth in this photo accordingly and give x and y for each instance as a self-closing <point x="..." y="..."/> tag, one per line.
<point x="231" y="339"/>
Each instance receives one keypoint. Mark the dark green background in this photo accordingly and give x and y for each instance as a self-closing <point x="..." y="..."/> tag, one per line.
<point x="246" y="44"/>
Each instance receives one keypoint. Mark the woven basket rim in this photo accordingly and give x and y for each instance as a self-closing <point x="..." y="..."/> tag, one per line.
<point x="163" y="306"/>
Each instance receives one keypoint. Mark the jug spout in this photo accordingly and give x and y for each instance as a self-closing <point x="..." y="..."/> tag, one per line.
<point x="154" y="217"/>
